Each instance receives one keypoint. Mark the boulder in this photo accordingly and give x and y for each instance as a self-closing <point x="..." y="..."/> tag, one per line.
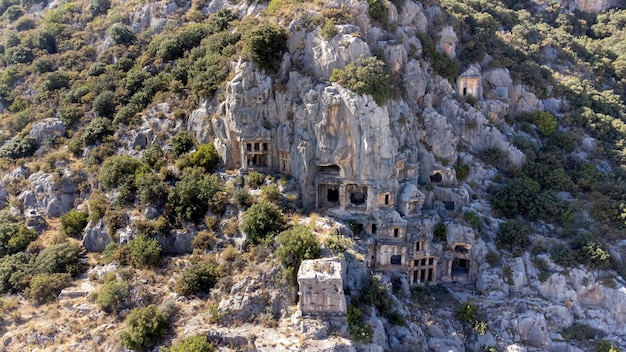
<point x="96" y="236"/>
<point x="47" y="129"/>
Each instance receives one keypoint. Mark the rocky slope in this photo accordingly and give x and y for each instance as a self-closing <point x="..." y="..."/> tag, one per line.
<point x="526" y="301"/>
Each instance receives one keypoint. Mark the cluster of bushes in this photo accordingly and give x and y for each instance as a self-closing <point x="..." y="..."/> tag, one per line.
<point x="40" y="276"/>
<point x="367" y="75"/>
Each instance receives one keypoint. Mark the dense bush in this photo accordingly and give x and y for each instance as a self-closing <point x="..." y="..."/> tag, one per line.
<point x="59" y="258"/>
<point x="379" y="11"/>
<point x="15" y="272"/>
<point x="254" y="179"/>
<point x="375" y="293"/>
<point x="266" y="44"/>
<point x="591" y="251"/>
<point x="105" y="104"/>
<point x="440" y="232"/>
<point x="182" y="142"/>
<point x="262" y="221"/>
<point x="113" y="296"/>
<point x="121" y="34"/>
<point x="118" y="170"/>
<point x="97" y="128"/>
<point x="193" y="343"/>
<point x="366" y="76"/>
<point x="578" y="332"/>
<point x="14" y="236"/>
<point x="150" y="189"/>
<point x="545" y="121"/>
<point x="145" y="327"/>
<point x="359" y="330"/>
<point x="473" y="219"/>
<point x="467" y="312"/>
<point x="516" y="197"/>
<point x="562" y="255"/>
<point x="205" y="156"/>
<point x="296" y="245"/>
<point x="98" y="7"/>
<point x="73" y="223"/>
<point x="45" y="288"/>
<point x="144" y="251"/>
<point x="55" y="81"/>
<point x="192" y="193"/>
<point x="18" y="147"/>
<point x="197" y="278"/>
<point x="512" y="235"/>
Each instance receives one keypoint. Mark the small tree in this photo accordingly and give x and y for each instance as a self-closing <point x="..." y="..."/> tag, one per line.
<point x="190" y="198"/>
<point x="73" y="223"/>
<point x="366" y="76"/>
<point x="182" y="142"/>
<point x="199" y="277"/>
<point x="98" y="7"/>
<point x="261" y="221"/>
<point x="112" y="296"/>
<point x="121" y="34"/>
<point x="118" y="170"/>
<point x="266" y="44"/>
<point x="512" y="235"/>
<point x="205" y="156"/>
<point x="96" y="130"/>
<point x="193" y="343"/>
<point x="144" y="251"/>
<point x="467" y="312"/>
<point x="105" y="104"/>
<point x="296" y="245"/>
<point x="145" y="326"/>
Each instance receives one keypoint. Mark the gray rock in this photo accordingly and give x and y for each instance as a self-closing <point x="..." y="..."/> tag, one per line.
<point x="49" y="128"/>
<point x="96" y="236"/>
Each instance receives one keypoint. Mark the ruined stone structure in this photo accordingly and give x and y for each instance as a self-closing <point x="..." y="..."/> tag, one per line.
<point x="470" y="83"/>
<point x="320" y="283"/>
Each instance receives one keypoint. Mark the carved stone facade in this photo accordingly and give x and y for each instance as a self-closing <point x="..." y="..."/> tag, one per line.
<point x="320" y="283"/>
<point x="470" y="83"/>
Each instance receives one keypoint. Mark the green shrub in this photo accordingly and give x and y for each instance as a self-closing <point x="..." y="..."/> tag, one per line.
<point x="606" y="346"/>
<point x="205" y="156"/>
<point x="113" y="296"/>
<point x="379" y="11"/>
<point x="262" y="221"/>
<point x="562" y="255"/>
<point x="193" y="344"/>
<point x="396" y="319"/>
<point x="144" y="251"/>
<point x="59" y="258"/>
<point x="266" y="44"/>
<point x="197" y="278"/>
<point x="153" y="155"/>
<point x="182" y="142"/>
<point x="329" y="31"/>
<point x="516" y="197"/>
<point x="493" y="258"/>
<point x="18" y="55"/>
<point x="242" y="198"/>
<point x="512" y="235"/>
<point x="45" y="288"/>
<point x="14" y="12"/>
<point x="462" y="170"/>
<point x="271" y="193"/>
<point x="19" y="147"/>
<point x="579" y="332"/>
<point x="118" y="170"/>
<point x="192" y="193"/>
<point x="73" y="223"/>
<point x="105" y="104"/>
<point x="366" y="76"/>
<point x="144" y="328"/>
<point x="473" y="219"/>
<point x="98" y="7"/>
<point x="467" y="312"/>
<point x="121" y="34"/>
<point x="375" y="293"/>
<point x="359" y="330"/>
<point x="591" y="251"/>
<point x="545" y="121"/>
<point x="55" y="81"/>
<point x="97" y="128"/>
<point x="150" y="189"/>
<point x="15" y="272"/>
<point x="440" y="232"/>
<point x="14" y="235"/>
<point x="296" y="245"/>
<point x="254" y="179"/>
